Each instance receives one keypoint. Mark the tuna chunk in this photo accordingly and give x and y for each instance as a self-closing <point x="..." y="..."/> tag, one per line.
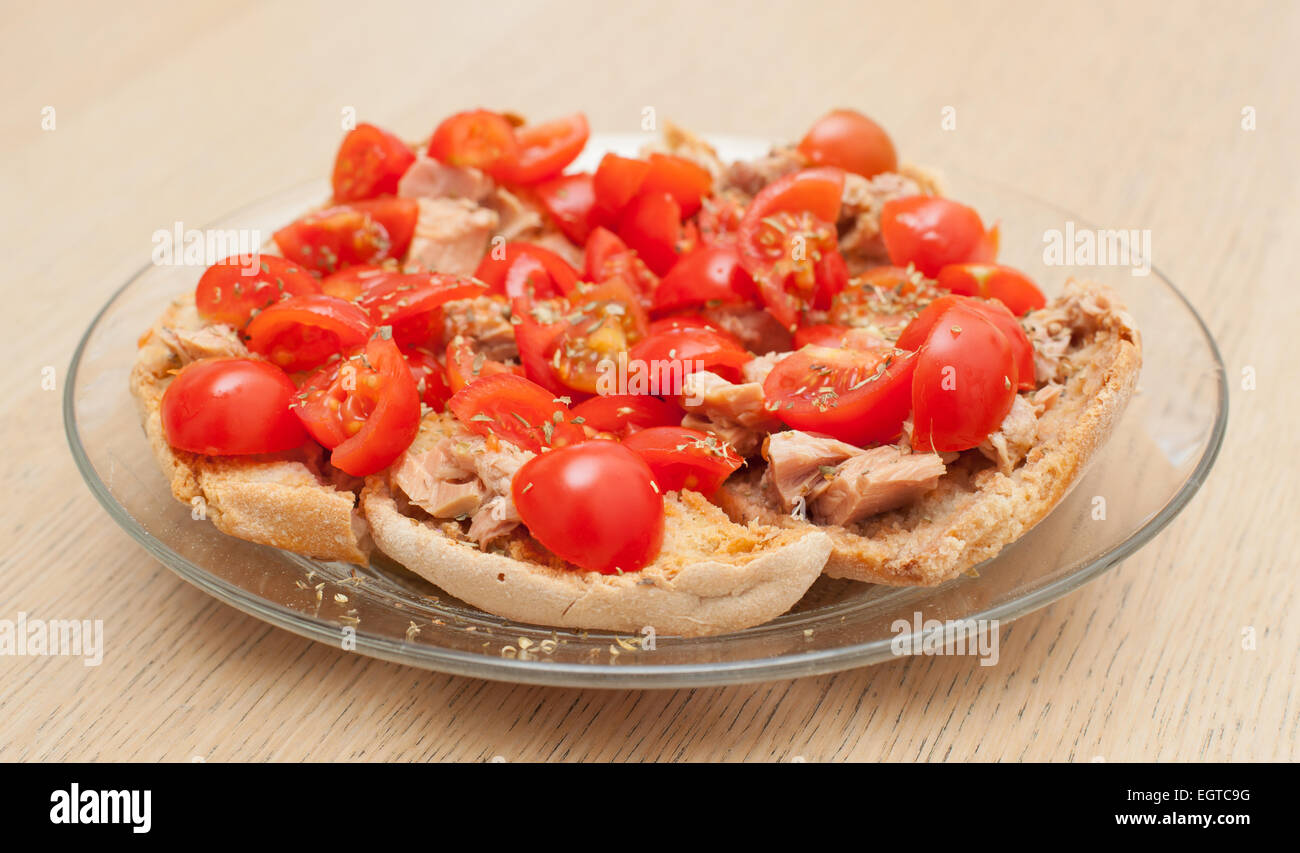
<point x="1013" y="439"/>
<point x="428" y="178"/>
<point x="757" y="369"/>
<point x="799" y="463"/>
<point x="207" y="342"/>
<point x="750" y="176"/>
<point x="876" y="480"/>
<point x="756" y="328"/>
<point x="736" y="413"/>
<point x="860" y="207"/>
<point x="681" y="142"/>
<point x="515" y="219"/>
<point x="484" y="320"/>
<point x="451" y="235"/>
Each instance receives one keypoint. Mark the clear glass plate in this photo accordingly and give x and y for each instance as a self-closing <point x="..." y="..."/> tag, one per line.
<point x="1159" y="455"/>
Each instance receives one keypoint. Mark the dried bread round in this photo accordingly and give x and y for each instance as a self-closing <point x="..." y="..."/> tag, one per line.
<point x="976" y="510"/>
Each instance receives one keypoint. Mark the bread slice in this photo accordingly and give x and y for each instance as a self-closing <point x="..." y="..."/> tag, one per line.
<point x="280" y="499"/>
<point x="712" y="575"/>
<point x="976" y="510"/>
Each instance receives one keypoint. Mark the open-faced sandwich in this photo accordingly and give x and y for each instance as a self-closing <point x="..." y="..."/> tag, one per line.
<point x="669" y="393"/>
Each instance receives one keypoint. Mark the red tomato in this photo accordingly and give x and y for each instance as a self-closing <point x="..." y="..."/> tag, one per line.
<point x="918" y="331"/>
<point x="831" y="335"/>
<point x="519" y="411"/>
<point x="857" y="396"/>
<point x="1009" y="286"/>
<point x="783" y="236"/>
<point x="350" y="283"/>
<point x="685" y="180"/>
<point x="709" y="274"/>
<point x="832" y="276"/>
<point x="430" y="377"/>
<point x="616" y="181"/>
<point x="684" y="458"/>
<point x="229" y="407"/>
<point x="365" y="407"/>
<point x="687" y="321"/>
<point x="851" y="141"/>
<point x="602" y="244"/>
<point x="370" y="162"/>
<point x="301" y="332"/>
<point x="569" y="201"/>
<point x="965" y="382"/>
<point x="480" y="139"/>
<point x="548" y="274"/>
<point x="629" y="267"/>
<point x="409" y="303"/>
<point x="545" y="149"/>
<point x="465" y="364"/>
<point x="623" y="414"/>
<point x="719" y="219"/>
<point x="931" y="232"/>
<point x="595" y="505"/>
<point x="676" y="353"/>
<point x="651" y="225"/>
<point x="362" y="232"/>
<point x="229" y="293"/>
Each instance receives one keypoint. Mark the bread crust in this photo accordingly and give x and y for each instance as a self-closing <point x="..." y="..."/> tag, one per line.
<point x="976" y="511"/>
<point x="275" y="499"/>
<point x="712" y="576"/>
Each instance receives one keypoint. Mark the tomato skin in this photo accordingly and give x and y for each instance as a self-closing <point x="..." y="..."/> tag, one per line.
<point x="851" y="141"/>
<point x="409" y="303"/>
<point x="360" y="232"/>
<point x="859" y="413"/>
<point x="1022" y="351"/>
<point x="965" y="382"/>
<point x="370" y="162"/>
<point x="651" y="225"/>
<point x="595" y="505"/>
<point x="710" y="273"/>
<point x="602" y="244"/>
<point x="843" y="337"/>
<point x="228" y="293"/>
<point x="930" y="232"/>
<point x="685" y="180"/>
<point x="464" y="365"/>
<point x="546" y="148"/>
<point x="1009" y="286"/>
<point x="480" y="139"/>
<point x="624" y="414"/>
<point x="804" y="204"/>
<point x="230" y="407"/>
<point x="683" y="458"/>
<point x="350" y="283"/>
<point x="366" y="416"/>
<point x="430" y="377"/>
<point x="516" y="410"/>
<point x="559" y="277"/>
<point x="301" y="332"/>
<point x="695" y="349"/>
<point x="570" y="202"/>
<point x="616" y="181"/>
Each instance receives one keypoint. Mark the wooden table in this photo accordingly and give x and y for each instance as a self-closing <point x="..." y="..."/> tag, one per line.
<point x="1129" y="113"/>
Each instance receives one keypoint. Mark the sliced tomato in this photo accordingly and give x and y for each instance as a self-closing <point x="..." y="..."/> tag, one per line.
<point x="858" y="396"/>
<point x="233" y="290"/>
<point x="602" y="244"/>
<point x="624" y="414"/>
<point x="573" y="342"/>
<point x="542" y="271"/>
<point x="409" y="303"/>
<point x="673" y="354"/>
<point x="370" y="162"/>
<point x="831" y="335"/>
<point x="965" y="382"/>
<point x="365" y="407"/>
<point x="709" y="274"/>
<point x="688" y="321"/>
<point x="783" y="237"/>
<point x="430" y="377"/>
<point x="930" y="232"/>
<point x="546" y="148"/>
<point x="480" y="139"/>
<point x="595" y="505"/>
<point x="851" y="141"/>
<point x="350" y="283"/>
<point x="651" y="225"/>
<point x="918" y="331"/>
<point x="1009" y="286"/>
<point x="301" y="332"/>
<point x="719" y="219"/>
<point x="832" y="276"/>
<point x="569" y="201"/>
<point x="361" y="232"/>
<point x="229" y="407"/>
<point x="521" y="412"/>
<point x="465" y="364"/>
<point x="685" y="180"/>
<point x="616" y="181"/>
<point x="684" y="458"/>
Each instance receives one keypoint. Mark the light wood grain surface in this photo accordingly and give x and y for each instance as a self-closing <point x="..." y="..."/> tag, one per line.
<point x="1127" y="112"/>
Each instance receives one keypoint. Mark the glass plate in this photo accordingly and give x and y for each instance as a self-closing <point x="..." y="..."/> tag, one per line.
<point x="1159" y="455"/>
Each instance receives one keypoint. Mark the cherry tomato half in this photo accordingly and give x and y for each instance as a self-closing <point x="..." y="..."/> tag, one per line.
<point x="230" y="406"/>
<point x="918" y="331"/>
<point x="546" y="148"/>
<point x="595" y="505"/>
<point x="301" y="332"/>
<point x="1009" y="286"/>
<point x="521" y="412"/>
<point x="361" y="232"/>
<point x="677" y="352"/>
<point x="370" y="162"/>
<point x="548" y="274"/>
<point x="569" y="201"/>
<point x="930" y="232"/>
<point x="709" y="274"/>
<point x="409" y="303"/>
<point x="480" y="139"/>
<point x="684" y="458"/>
<point x="624" y="414"/>
<point x="232" y="290"/>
